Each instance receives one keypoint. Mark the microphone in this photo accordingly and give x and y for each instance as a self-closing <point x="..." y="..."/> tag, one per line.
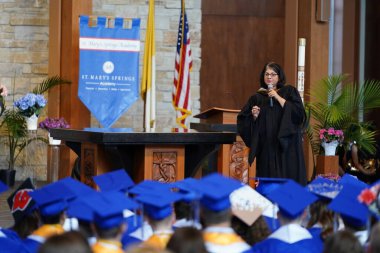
<point x="270" y="87"/>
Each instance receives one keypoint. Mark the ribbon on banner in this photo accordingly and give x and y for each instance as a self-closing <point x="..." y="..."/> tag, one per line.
<point x="109" y="67"/>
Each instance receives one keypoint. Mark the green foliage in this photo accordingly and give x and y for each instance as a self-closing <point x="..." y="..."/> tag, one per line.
<point x="13" y="124"/>
<point x="49" y="83"/>
<point x="338" y="103"/>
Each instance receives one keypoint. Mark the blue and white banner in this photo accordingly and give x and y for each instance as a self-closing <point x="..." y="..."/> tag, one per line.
<point x="109" y="67"/>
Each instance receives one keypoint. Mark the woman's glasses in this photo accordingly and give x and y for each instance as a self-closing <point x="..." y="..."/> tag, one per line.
<point x="270" y="74"/>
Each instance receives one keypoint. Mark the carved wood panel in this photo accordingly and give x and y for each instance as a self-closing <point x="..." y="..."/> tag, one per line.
<point x="239" y="167"/>
<point x="88" y="165"/>
<point x="165" y="166"/>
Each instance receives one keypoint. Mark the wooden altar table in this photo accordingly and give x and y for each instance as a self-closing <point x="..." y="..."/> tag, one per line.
<point x="163" y="155"/>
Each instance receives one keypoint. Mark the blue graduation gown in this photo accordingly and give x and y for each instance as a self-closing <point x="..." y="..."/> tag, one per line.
<point x="10" y="246"/>
<point x="289" y="238"/>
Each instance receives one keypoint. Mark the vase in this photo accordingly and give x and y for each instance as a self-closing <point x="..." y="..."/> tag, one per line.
<point x="330" y="147"/>
<point x="53" y="141"/>
<point x="8" y="177"/>
<point x="32" y="122"/>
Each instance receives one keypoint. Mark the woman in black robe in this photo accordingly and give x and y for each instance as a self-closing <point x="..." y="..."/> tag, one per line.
<point x="271" y="125"/>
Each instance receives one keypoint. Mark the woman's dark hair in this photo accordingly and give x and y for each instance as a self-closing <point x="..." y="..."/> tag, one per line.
<point x="319" y="213"/>
<point x="187" y="240"/>
<point x="343" y="241"/>
<point x="25" y="226"/>
<point x="253" y="234"/>
<point x="73" y="242"/>
<point x="276" y="68"/>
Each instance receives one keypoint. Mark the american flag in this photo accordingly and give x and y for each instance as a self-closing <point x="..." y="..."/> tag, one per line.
<point x="183" y="64"/>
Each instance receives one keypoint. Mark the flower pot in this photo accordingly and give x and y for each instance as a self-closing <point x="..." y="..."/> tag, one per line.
<point x="330" y="147"/>
<point x="8" y="177"/>
<point x="32" y="122"/>
<point x="53" y="141"/>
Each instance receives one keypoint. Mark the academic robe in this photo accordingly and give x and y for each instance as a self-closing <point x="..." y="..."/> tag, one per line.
<point x="223" y="240"/>
<point x="8" y="245"/>
<point x="107" y="246"/>
<point x="275" y="137"/>
<point x="288" y="239"/>
<point x="39" y="236"/>
<point x="159" y="239"/>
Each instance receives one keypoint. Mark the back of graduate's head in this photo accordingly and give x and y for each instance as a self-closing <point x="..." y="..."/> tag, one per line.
<point x="68" y="242"/>
<point x="343" y="241"/>
<point x="292" y="200"/>
<point x="374" y="242"/>
<point x="187" y="240"/>
<point x="110" y="233"/>
<point x="58" y="218"/>
<point x="210" y="217"/>
<point x="215" y="201"/>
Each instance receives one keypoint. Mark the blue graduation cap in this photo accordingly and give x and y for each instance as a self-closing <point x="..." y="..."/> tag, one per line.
<point x="324" y="188"/>
<point x="78" y="207"/>
<point x="265" y="185"/>
<point x="109" y="208"/>
<point x="76" y="187"/>
<point x="148" y="185"/>
<point x="216" y="190"/>
<point x="291" y="198"/>
<point x="81" y="210"/>
<point x="52" y="199"/>
<point x="348" y="179"/>
<point x="158" y="204"/>
<point x="118" y="180"/>
<point x="347" y="204"/>
<point x="187" y="187"/>
<point x="3" y="187"/>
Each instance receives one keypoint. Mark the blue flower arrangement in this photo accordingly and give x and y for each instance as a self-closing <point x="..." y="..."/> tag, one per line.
<point x="30" y="104"/>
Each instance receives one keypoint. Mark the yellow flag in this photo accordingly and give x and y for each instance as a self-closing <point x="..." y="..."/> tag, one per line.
<point x="148" y="86"/>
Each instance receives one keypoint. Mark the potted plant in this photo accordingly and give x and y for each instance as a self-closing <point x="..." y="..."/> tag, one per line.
<point x="30" y="106"/>
<point x="330" y="138"/>
<point x="50" y="123"/>
<point x="13" y="125"/>
<point x="341" y="104"/>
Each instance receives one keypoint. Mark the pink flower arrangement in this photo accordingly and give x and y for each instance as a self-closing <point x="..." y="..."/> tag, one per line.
<point x="329" y="135"/>
<point x="50" y="123"/>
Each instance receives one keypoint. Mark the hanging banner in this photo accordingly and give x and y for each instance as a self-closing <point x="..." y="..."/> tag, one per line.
<point x="109" y="67"/>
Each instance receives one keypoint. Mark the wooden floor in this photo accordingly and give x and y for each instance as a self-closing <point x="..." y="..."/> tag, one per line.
<point x="6" y="219"/>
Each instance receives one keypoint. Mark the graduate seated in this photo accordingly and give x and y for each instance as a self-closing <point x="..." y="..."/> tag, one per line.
<point x="321" y="222"/>
<point x="9" y="245"/>
<point x="292" y="200"/>
<point x="264" y="186"/>
<point x="216" y="214"/>
<point x="158" y="210"/>
<point x="109" y="223"/>
<point x="24" y="211"/>
<point x="52" y="201"/>
<point x="119" y="180"/>
<point x="248" y="221"/>
<point x="187" y="209"/>
<point x="353" y="213"/>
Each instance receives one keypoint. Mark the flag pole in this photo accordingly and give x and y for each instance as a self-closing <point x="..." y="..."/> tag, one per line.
<point x="148" y="84"/>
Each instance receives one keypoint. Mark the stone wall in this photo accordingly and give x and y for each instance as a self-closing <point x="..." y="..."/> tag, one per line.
<point x="24" y="35"/>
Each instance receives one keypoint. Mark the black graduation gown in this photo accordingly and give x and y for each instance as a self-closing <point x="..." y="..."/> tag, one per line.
<point x="275" y="137"/>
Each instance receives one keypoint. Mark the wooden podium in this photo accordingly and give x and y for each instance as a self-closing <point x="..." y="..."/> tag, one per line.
<point x="232" y="159"/>
<point x="327" y="165"/>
